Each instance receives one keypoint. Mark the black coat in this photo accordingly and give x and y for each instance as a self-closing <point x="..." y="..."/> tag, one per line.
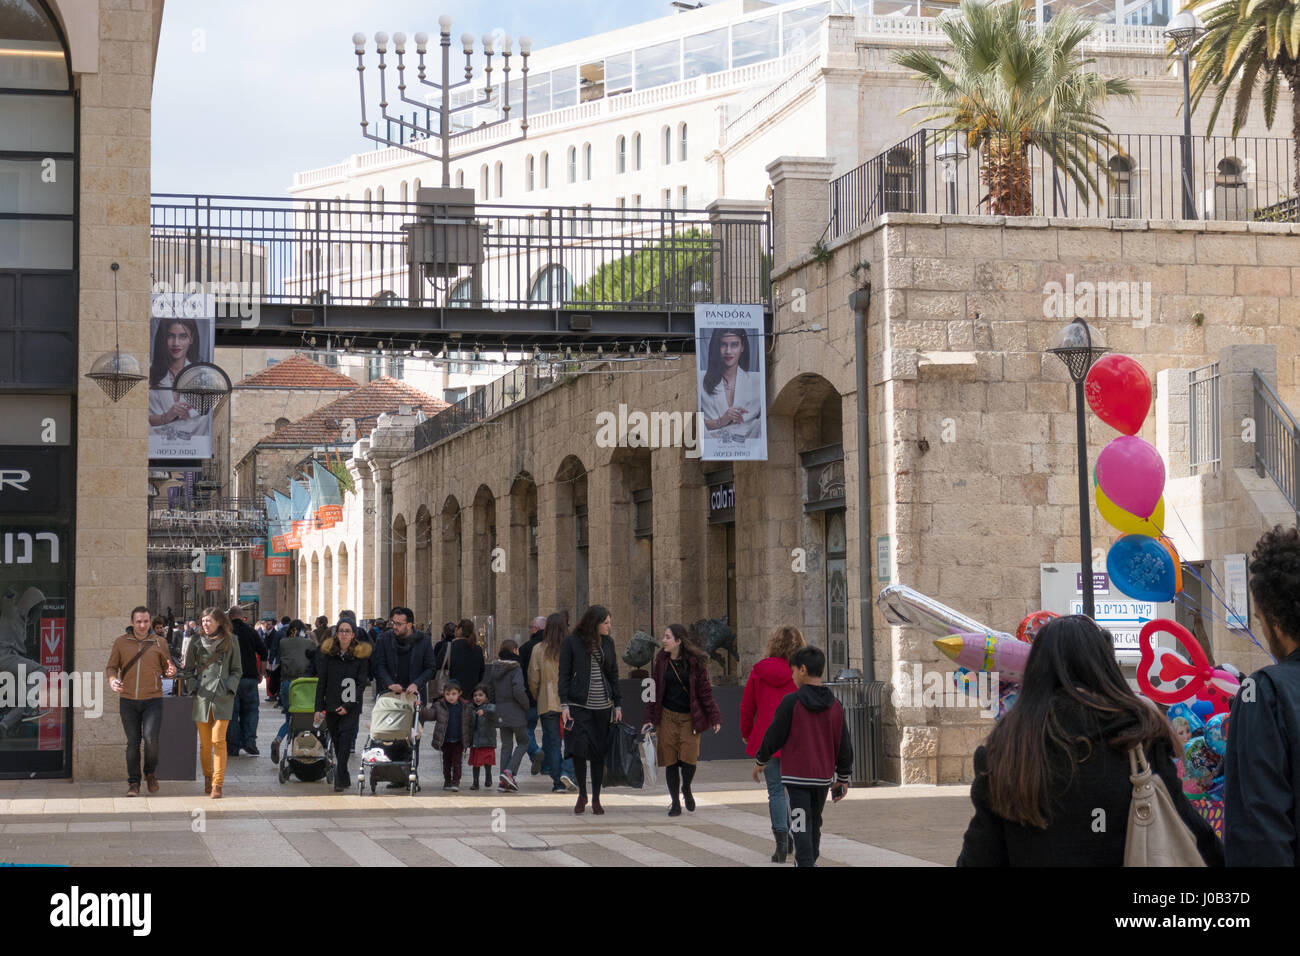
<point x="251" y="646"/>
<point x="333" y="669"/>
<point x="1261" y="815"/>
<point x="526" y="655"/>
<point x="385" y="660"/>
<point x="1072" y="838"/>
<point x="575" y="670"/>
<point x="466" y="666"/>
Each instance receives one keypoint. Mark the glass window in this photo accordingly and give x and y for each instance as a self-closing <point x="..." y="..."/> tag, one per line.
<point x="483" y="181"/>
<point x="800" y="27"/>
<point x="564" y="88"/>
<point x="517" y="95"/>
<point x="620" y="154"/>
<point x="666" y="145"/>
<point x="553" y="286"/>
<point x="753" y="42"/>
<point x="591" y="81"/>
<point x="539" y="93"/>
<point x="705" y="53"/>
<point x="500" y="179"/>
<point x="545" y="180"/>
<point x="682" y="201"/>
<point x="35" y="244"/>
<point x="36" y="186"/>
<point x="36" y="122"/>
<point x="586" y="161"/>
<point x="529" y="167"/>
<point x="33" y="57"/>
<point x="571" y="165"/>
<point x="636" y="150"/>
<point x="681" y="138"/>
<point x="658" y="64"/>
<point x="462" y="293"/>
<point x="618" y="74"/>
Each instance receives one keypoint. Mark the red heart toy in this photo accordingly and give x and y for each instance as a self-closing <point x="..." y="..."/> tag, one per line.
<point x="1172" y="665"/>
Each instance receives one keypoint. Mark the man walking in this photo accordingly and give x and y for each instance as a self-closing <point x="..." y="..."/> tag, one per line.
<point x="1261" y="822"/>
<point x="535" y="631"/>
<point x="242" y="731"/>
<point x="137" y="663"/>
<point x="403" y="656"/>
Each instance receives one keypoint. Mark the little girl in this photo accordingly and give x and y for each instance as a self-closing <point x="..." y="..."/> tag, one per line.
<point x="482" y="751"/>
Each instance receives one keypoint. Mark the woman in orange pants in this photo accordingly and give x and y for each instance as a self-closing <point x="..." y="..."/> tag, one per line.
<point x="211" y="675"/>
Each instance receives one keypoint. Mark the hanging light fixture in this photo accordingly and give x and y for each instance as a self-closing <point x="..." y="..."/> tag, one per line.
<point x="115" y="372"/>
<point x="203" y="386"/>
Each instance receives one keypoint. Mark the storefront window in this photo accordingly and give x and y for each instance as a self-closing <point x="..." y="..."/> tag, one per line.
<point x="837" y="593"/>
<point x="705" y="53"/>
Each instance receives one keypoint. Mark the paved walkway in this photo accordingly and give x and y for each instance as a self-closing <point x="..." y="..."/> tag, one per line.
<point x="261" y="822"/>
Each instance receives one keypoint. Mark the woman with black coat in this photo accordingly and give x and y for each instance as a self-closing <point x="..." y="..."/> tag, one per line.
<point x="342" y="671"/>
<point x="466" y="664"/>
<point x="1059" y="760"/>
<point x="589" y="696"/>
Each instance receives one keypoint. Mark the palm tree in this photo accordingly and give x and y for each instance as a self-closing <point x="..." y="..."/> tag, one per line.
<point x="1009" y="85"/>
<point x="1244" y="39"/>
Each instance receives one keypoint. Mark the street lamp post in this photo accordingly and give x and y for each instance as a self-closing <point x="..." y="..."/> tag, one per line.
<point x="1183" y="31"/>
<point x="1079" y="346"/>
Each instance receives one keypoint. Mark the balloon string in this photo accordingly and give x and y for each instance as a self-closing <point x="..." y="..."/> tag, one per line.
<point x="1224" y="605"/>
<point x="1191" y="604"/>
<point x="1208" y="564"/>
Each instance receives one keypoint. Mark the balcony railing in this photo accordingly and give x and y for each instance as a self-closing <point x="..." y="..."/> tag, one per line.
<point x="1277" y="442"/>
<point x="1203" y="420"/>
<point x="206" y="522"/>
<point x="515" y="386"/>
<point x="1136" y="176"/>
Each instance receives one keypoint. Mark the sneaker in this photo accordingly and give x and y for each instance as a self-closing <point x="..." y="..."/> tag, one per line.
<point x="447" y="786"/>
<point x="474" y="785"/>
<point x="133" y="790"/>
<point x="252" y="750"/>
<point x="455" y="788"/>
<point x="275" y="750"/>
<point x="558" y="789"/>
<point x="502" y="787"/>
<point x="508" y="780"/>
<point x="567" y="782"/>
<point x="152" y="781"/>
<point x="538" y="759"/>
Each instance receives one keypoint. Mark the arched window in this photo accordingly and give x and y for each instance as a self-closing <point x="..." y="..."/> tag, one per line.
<point x="1123" y="197"/>
<point x="571" y="165"/>
<point x="369" y="206"/>
<point x="586" y="162"/>
<point x="681" y="142"/>
<point x="483" y="182"/>
<point x="461" y="294"/>
<point x="460" y="179"/>
<point x="415" y="190"/>
<point x="403" y="192"/>
<point x="900" y="181"/>
<point x="553" y="287"/>
<point x="530" y="173"/>
<point x="39" y="61"/>
<point x="499" y="175"/>
<point x="620" y="155"/>
<point x="666" y="144"/>
<point x="379" y="198"/>
<point x="1230" y="192"/>
<point x="544" y="180"/>
<point x="636" y="151"/>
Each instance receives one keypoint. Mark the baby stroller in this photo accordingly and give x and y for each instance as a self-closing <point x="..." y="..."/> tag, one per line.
<point x="392" y="751"/>
<point x="309" y="752"/>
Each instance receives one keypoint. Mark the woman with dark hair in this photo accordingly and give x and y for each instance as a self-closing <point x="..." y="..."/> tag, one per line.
<point x="588" y="690"/>
<point x="681" y="708"/>
<point x="440" y="649"/>
<point x="731" y="394"/>
<point x="175" y="348"/>
<point x="466" y="663"/>
<point x="1059" y="760"/>
<point x="769" y="682"/>
<point x="211" y="676"/>
<point x="544" y="684"/>
<point x="342" y="672"/>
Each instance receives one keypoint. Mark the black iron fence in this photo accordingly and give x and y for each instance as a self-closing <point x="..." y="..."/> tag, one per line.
<point x="360" y="252"/>
<point x="515" y="386"/>
<point x="1277" y="441"/>
<point x="1117" y="176"/>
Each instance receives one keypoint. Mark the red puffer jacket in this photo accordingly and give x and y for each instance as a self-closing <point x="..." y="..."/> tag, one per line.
<point x="769" y="681"/>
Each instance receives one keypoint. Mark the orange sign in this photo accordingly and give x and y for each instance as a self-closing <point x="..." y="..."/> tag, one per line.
<point x="279" y="542"/>
<point x="277" y="566"/>
<point x="329" y="515"/>
<point x="259" y="552"/>
<point x="212" y="584"/>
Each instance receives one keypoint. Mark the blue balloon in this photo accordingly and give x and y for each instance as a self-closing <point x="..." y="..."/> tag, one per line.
<point x="1194" y="722"/>
<point x="1203" y="709"/>
<point x="1142" y="568"/>
<point x="1215" y="734"/>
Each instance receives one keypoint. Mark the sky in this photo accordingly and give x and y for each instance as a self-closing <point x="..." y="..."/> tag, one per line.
<point x="247" y="93"/>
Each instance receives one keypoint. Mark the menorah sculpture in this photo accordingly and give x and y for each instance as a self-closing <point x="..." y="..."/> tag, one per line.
<point x="445" y="87"/>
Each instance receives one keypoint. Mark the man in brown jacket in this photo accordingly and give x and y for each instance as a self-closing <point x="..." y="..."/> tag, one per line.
<point x="137" y="664"/>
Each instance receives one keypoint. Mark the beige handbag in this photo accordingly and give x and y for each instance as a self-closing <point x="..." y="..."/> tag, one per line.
<point x="1157" y="835"/>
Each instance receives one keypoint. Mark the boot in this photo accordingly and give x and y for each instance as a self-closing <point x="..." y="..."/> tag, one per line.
<point x="152" y="781"/>
<point x="207" y="785"/>
<point x="782" y="845"/>
<point x="216" y="791"/>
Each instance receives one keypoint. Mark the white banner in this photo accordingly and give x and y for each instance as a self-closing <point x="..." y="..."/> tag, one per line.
<point x="731" y="382"/>
<point x="182" y="330"/>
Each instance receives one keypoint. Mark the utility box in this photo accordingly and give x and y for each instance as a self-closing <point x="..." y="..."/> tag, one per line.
<point x="445" y="238"/>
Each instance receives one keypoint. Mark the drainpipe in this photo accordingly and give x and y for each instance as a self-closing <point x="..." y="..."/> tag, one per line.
<point x="860" y="303"/>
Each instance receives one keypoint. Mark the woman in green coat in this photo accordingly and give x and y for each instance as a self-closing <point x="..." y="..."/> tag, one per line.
<point x="211" y="676"/>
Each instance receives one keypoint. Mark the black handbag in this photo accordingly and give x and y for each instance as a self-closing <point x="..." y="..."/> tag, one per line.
<point x="623" y="758"/>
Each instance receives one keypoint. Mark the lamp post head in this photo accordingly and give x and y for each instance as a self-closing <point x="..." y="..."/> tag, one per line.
<point x="1184" y="30"/>
<point x="525" y="45"/>
<point x="359" y="41"/>
<point x="421" y="42"/>
<point x="444" y="24"/>
<point x="399" y="42"/>
<point x="467" y="43"/>
<point x="381" y="42"/>
<point x="487" y="43"/>
<point x="506" y="43"/>
<point x="1078" y="345"/>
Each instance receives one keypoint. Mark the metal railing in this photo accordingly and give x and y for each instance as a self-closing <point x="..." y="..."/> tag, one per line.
<point x="1277" y="441"/>
<point x="354" y="252"/>
<point x="476" y="407"/>
<point x="1133" y="176"/>
<point x="1287" y="210"/>
<point x="1203" y="420"/>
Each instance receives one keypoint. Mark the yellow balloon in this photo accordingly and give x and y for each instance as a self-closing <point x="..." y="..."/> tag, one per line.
<point x="1128" y="523"/>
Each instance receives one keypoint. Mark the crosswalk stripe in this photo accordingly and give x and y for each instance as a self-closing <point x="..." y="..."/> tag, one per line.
<point x="833" y="848"/>
<point x="715" y="845"/>
<point x="556" y="858"/>
<point x="362" y="849"/>
<point x="456" y="853"/>
<point x="637" y="852"/>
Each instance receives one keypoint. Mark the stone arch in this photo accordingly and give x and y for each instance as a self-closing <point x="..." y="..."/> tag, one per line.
<point x="571" y="549"/>
<point x="304" y="586"/>
<point x="422" y="591"/>
<point x="342" y="573"/>
<point x="483" y="600"/>
<point x="521" y="551"/>
<point x="313" y="590"/>
<point x="397" y="579"/>
<point x="452" y="571"/>
<point x="327" y="585"/>
<point x="631" y="533"/>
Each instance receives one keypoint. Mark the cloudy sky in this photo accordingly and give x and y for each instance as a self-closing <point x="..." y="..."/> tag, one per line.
<point x="246" y="93"/>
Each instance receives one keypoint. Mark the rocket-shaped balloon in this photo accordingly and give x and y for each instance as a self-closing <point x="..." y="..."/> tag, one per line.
<point x="985" y="652"/>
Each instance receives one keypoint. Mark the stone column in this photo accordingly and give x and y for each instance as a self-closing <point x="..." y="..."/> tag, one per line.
<point x="740" y="245"/>
<point x="361" y="569"/>
<point x="800" y="207"/>
<point x="609" y="542"/>
<point x="1172" y="420"/>
<point x="553" y="569"/>
<point x="680" y="522"/>
<point x="1237" y="364"/>
<point x="382" y="481"/>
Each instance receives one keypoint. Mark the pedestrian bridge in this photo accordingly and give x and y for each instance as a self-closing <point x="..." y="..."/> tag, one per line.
<point x="455" y="273"/>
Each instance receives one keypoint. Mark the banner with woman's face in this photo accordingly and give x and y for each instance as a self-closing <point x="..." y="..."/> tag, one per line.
<point x="182" y="331"/>
<point x="731" y="379"/>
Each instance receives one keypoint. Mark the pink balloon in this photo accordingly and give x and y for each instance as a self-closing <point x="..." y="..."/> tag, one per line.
<point x="1132" y="474"/>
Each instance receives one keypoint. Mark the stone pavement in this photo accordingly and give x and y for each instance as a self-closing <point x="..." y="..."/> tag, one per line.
<point x="260" y="822"/>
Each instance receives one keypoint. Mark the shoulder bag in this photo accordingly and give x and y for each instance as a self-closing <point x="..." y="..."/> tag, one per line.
<point x="1157" y="835"/>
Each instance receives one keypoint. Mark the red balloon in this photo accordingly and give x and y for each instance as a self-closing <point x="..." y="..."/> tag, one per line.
<point x="1119" y="392"/>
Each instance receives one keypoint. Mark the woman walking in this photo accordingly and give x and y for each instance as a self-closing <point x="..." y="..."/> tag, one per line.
<point x="343" y="671"/>
<point x="1062" y="753"/>
<point x="768" y="683"/>
<point x="466" y="664"/>
<point x="543" y="682"/>
<point x="681" y="709"/>
<point x="211" y="675"/>
<point x="588" y="688"/>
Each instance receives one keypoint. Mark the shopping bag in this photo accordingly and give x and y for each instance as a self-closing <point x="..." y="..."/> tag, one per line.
<point x="623" y="760"/>
<point x="649" y="748"/>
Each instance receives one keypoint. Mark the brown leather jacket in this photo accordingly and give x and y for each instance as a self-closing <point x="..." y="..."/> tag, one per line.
<point x="144" y="680"/>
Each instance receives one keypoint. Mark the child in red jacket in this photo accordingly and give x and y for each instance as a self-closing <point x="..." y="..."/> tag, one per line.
<point x="812" y="735"/>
